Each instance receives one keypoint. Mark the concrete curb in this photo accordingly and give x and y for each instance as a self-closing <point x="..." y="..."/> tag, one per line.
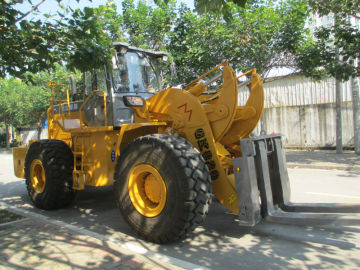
<point x="5" y="151"/>
<point x="323" y="167"/>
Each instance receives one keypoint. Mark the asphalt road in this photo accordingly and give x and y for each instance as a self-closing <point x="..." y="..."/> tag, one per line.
<point x="220" y="243"/>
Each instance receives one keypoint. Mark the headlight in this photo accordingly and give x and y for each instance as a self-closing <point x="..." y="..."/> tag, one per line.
<point x="134" y="101"/>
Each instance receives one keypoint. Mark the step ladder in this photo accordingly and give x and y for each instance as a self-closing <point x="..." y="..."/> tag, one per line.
<point x="80" y="173"/>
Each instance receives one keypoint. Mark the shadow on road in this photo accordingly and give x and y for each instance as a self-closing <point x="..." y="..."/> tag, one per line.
<point x="325" y="159"/>
<point x="350" y="174"/>
<point x="24" y="247"/>
<point x="218" y="244"/>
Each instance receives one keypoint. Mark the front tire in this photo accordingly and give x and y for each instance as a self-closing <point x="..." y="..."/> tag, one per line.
<point x="48" y="172"/>
<point x="162" y="187"/>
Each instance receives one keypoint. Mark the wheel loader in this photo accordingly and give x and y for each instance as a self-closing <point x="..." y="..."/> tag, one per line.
<point x="166" y="152"/>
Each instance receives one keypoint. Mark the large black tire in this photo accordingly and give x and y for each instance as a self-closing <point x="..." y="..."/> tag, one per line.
<point x="55" y="159"/>
<point x="187" y="181"/>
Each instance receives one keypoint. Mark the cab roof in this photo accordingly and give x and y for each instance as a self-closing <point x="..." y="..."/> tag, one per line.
<point x="119" y="45"/>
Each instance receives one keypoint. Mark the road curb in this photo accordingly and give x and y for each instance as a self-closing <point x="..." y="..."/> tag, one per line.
<point x="322" y="167"/>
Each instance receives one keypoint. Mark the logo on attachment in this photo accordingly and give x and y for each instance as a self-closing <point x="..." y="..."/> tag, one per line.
<point x="186" y="110"/>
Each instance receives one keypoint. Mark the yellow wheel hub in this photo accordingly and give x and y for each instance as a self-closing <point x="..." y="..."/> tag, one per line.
<point x="37" y="175"/>
<point x="147" y="190"/>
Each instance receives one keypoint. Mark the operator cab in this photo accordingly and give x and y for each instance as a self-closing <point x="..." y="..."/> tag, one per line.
<point x="133" y="72"/>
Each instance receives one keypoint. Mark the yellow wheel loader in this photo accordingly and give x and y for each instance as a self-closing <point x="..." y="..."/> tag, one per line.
<point x="166" y="152"/>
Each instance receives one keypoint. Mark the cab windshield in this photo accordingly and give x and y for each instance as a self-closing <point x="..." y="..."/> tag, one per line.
<point x="134" y="73"/>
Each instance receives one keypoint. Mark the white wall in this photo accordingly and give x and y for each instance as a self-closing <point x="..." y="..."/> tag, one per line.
<point x="32" y="134"/>
<point x="304" y="111"/>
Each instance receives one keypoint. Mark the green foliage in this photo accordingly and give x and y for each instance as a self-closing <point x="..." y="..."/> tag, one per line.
<point x="218" y="7"/>
<point x="25" y="45"/>
<point x="261" y="36"/>
<point x="17" y="101"/>
<point x="83" y="41"/>
<point x="195" y="44"/>
<point x="150" y="27"/>
<point x="24" y="104"/>
<point x="341" y="7"/>
<point x="88" y="36"/>
<point x="264" y="34"/>
<point x="147" y="26"/>
<point x="57" y="74"/>
<point x="319" y="58"/>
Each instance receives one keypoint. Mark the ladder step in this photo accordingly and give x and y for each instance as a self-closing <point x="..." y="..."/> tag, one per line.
<point x="79" y="180"/>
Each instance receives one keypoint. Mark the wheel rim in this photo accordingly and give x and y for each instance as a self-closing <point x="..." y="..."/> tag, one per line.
<point x="37" y="176"/>
<point x="147" y="190"/>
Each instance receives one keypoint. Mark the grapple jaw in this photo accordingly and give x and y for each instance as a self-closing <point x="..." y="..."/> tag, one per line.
<point x="247" y="116"/>
<point x="233" y="122"/>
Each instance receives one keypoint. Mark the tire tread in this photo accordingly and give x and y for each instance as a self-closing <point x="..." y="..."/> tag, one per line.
<point x="57" y="160"/>
<point x="196" y="187"/>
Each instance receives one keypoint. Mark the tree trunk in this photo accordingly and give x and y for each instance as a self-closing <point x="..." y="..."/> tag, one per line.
<point x="338" y="90"/>
<point x="8" y="137"/>
<point x="356" y="114"/>
<point x="262" y="126"/>
<point x="39" y="129"/>
<point x="339" y="148"/>
<point x="94" y="81"/>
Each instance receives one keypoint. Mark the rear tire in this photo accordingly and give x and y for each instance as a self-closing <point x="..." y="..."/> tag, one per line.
<point x="181" y="176"/>
<point x="48" y="172"/>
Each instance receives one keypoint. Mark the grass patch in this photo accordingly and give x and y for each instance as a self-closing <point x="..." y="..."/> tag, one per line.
<point x="6" y="216"/>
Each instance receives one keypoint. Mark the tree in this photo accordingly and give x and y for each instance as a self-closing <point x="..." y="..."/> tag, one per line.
<point x="217" y="7"/>
<point x="195" y="44"/>
<point x="15" y="101"/>
<point x="88" y="36"/>
<point x="26" y="46"/>
<point x="23" y="103"/>
<point x="148" y="27"/>
<point x="332" y="53"/>
<point x="83" y="41"/>
<point x="260" y="35"/>
<point x="318" y="58"/>
<point x="39" y="91"/>
<point x="265" y="35"/>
